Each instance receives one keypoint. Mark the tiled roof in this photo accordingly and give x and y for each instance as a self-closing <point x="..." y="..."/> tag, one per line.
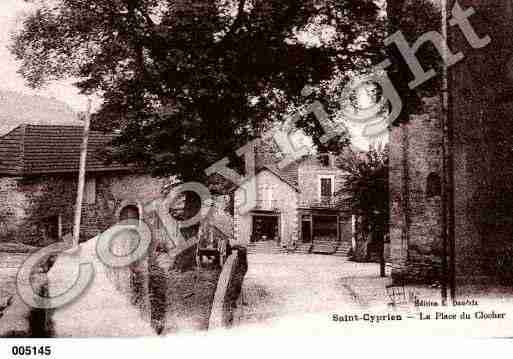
<point x="289" y="174"/>
<point x="36" y="149"/>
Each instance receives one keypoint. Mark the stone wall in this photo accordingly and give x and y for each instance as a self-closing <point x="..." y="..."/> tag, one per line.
<point x="12" y="208"/>
<point x="480" y="93"/>
<point x="415" y="228"/>
<point x="32" y="202"/>
<point x="482" y="168"/>
<point x="481" y="89"/>
<point x="31" y="205"/>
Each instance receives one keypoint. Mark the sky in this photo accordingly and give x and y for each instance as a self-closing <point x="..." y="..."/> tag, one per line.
<point x="11" y="15"/>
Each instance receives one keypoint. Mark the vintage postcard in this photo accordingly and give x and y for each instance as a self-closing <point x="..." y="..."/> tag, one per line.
<point x="194" y="167"/>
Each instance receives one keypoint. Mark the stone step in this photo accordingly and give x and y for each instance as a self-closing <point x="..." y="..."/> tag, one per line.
<point x="324" y="248"/>
<point x="343" y="250"/>
<point x="303" y="248"/>
<point x="264" y="247"/>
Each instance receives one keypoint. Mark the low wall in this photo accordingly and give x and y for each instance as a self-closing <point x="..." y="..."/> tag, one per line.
<point x="228" y="289"/>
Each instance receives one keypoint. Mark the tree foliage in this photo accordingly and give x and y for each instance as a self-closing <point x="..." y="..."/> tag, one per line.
<point x="365" y="192"/>
<point x="190" y="81"/>
<point x="366" y="182"/>
<point x="414" y="18"/>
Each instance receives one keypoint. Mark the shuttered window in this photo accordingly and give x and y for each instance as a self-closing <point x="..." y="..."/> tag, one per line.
<point x="90" y="191"/>
<point x="326" y="187"/>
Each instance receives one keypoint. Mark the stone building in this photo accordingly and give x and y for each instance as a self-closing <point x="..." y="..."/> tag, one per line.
<point x="295" y="204"/>
<point x="479" y="162"/>
<point x="416" y="194"/>
<point x="38" y="183"/>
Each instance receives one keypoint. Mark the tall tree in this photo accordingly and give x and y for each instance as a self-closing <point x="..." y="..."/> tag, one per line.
<point x="190" y="81"/>
<point x="414" y="18"/>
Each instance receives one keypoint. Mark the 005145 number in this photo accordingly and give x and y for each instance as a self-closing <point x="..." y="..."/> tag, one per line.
<point x="27" y="350"/>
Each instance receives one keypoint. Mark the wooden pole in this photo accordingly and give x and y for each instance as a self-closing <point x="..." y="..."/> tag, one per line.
<point x="382" y="266"/>
<point x="451" y="235"/>
<point x="448" y="132"/>
<point x="81" y="176"/>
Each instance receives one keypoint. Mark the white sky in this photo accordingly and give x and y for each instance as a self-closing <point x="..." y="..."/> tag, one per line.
<point x="11" y="15"/>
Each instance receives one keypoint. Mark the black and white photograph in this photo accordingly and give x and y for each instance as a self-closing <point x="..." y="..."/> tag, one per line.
<point x="176" y="168"/>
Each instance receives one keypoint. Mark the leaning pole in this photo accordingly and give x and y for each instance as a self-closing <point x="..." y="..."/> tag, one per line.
<point x="81" y="176"/>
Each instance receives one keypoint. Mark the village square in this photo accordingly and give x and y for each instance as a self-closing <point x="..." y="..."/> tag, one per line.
<point x="257" y="165"/>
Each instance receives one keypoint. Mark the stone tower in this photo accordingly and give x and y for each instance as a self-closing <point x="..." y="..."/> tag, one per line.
<point x="479" y="167"/>
<point x="415" y="193"/>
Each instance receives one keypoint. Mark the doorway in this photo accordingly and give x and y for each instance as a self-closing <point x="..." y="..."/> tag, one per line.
<point x="129" y="212"/>
<point x="306" y="231"/>
<point x="265" y="228"/>
<point x="325" y="228"/>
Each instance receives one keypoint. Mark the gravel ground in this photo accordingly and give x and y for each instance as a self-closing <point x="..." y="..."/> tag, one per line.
<point x="280" y="285"/>
<point x="301" y="294"/>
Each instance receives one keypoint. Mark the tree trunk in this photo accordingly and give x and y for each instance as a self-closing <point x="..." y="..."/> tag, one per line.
<point x="361" y="253"/>
<point x="382" y="259"/>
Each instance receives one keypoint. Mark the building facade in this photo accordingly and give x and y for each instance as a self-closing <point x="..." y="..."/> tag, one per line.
<point x="38" y="185"/>
<point x="479" y="162"/>
<point x="294" y="206"/>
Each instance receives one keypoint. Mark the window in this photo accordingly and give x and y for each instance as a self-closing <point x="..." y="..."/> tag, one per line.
<point x="326" y="187"/>
<point x="433" y="185"/>
<point x="325" y="160"/>
<point x="266" y="199"/>
<point x="268" y="193"/>
<point x="90" y="191"/>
